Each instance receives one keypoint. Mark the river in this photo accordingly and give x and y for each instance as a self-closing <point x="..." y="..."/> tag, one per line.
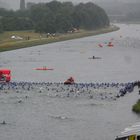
<point x="40" y="117"/>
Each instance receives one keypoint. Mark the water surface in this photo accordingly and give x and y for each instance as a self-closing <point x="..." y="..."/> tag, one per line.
<point x="40" y="117"/>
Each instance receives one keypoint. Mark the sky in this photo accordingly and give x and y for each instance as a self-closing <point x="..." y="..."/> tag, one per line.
<point x="14" y="4"/>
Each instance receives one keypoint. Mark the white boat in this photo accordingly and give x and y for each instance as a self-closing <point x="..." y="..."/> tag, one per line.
<point x="130" y="133"/>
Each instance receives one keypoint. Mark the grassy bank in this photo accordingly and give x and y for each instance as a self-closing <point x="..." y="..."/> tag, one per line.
<point x="29" y="38"/>
<point x="136" y="107"/>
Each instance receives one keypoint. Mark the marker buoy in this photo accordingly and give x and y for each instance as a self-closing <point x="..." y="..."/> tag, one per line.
<point x="110" y="44"/>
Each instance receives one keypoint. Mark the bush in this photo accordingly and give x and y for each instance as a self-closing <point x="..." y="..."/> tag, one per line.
<point x="136" y="107"/>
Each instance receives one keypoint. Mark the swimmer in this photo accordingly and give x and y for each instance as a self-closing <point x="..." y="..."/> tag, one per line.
<point x="94" y="57"/>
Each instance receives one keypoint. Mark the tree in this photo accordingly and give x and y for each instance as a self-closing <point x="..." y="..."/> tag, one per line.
<point x="46" y="25"/>
<point x="4" y="12"/>
<point x="38" y="11"/>
<point x="16" y="23"/>
<point x="55" y="17"/>
<point x="1" y="27"/>
<point x="89" y="16"/>
<point x="63" y="23"/>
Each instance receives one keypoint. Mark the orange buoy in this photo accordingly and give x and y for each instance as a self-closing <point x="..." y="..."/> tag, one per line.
<point x="110" y="44"/>
<point x="100" y="45"/>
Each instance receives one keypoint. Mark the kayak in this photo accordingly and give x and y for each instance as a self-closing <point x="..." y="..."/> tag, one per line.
<point x="44" y="69"/>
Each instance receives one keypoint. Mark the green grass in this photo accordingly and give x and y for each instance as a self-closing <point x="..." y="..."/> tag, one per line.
<point x="136" y="107"/>
<point x="6" y="43"/>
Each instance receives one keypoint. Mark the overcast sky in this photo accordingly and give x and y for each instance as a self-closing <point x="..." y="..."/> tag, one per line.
<point x="15" y="3"/>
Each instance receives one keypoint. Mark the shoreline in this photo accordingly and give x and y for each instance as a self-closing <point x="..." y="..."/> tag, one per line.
<point x="8" y="46"/>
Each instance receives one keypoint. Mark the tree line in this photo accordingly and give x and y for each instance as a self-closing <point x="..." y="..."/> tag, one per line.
<point x="54" y="17"/>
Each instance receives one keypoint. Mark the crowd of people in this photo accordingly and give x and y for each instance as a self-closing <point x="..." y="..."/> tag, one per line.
<point x="103" y="91"/>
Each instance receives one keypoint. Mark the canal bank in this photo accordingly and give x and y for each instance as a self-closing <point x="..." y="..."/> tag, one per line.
<point x="29" y="39"/>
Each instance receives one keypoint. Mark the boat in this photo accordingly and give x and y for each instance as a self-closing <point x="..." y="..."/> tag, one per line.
<point x="69" y="81"/>
<point x="130" y="133"/>
<point x="5" y="75"/>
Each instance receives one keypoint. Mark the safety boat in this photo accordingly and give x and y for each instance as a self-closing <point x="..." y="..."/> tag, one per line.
<point x="5" y="75"/>
<point x="130" y="133"/>
<point x="69" y="81"/>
